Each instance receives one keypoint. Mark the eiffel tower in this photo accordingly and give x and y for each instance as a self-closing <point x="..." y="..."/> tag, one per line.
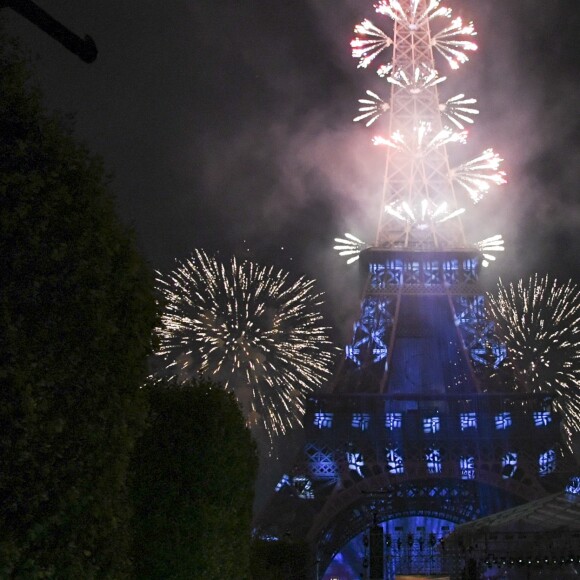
<point x="413" y="439"/>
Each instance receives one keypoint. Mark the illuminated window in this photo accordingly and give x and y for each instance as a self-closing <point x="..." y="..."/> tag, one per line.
<point x="394" y="461"/>
<point x="467" y="467"/>
<point x="509" y="464"/>
<point x="304" y="487"/>
<point x="411" y="275"/>
<point x="503" y="420"/>
<point x="283" y="482"/>
<point x="499" y="352"/>
<point x="370" y="331"/>
<point x="470" y="270"/>
<point x="323" y="420"/>
<point x="393" y="420"/>
<point x="468" y="420"/>
<point x="431" y="424"/>
<point x="547" y="462"/>
<point x="301" y="484"/>
<point x="573" y="486"/>
<point x="377" y="272"/>
<point x="394" y="270"/>
<point x="542" y="418"/>
<point x="433" y="459"/>
<point x="450" y="268"/>
<point x="361" y="421"/>
<point x="321" y="462"/>
<point x="353" y="353"/>
<point x="355" y="462"/>
<point x="432" y="273"/>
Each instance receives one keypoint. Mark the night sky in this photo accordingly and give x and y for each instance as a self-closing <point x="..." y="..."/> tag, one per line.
<point x="227" y="125"/>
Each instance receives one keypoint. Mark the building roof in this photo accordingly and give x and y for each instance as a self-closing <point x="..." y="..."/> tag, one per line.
<point x="556" y="512"/>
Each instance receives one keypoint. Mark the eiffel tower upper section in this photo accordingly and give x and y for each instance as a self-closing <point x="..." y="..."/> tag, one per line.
<point x="422" y="327"/>
<point x="422" y="197"/>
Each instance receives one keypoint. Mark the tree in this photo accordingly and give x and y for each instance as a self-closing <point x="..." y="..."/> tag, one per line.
<point x="194" y="472"/>
<point x="279" y="560"/>
<point x="76" y="315"/>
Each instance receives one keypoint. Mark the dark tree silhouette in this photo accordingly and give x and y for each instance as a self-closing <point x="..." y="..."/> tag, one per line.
<point x="76" y="316"/>
<point x="194" y="472"/>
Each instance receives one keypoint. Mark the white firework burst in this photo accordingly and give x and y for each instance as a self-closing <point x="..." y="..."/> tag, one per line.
<point x="349" y="246"/>
<point x="369" y="43"/>
<point x="423" y="78"/>
<point x="425" y="214"/>
<point x="371" y="109"/>
<point x="459" y="110"/>
<point x="478" y="175"/>
<point x="538" y="320"/>
<point x="423" y="140"/>
<point x="450" y="45"/>
<point x="489" y="246"/>
<point x="250" y="328"/>
<point x="414" y="16"/>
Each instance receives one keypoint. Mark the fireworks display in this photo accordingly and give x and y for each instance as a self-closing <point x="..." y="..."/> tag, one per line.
<point x="539" y="323"/>
<point x="421" y="216"/>
<point x="251" y="329"/>
<point x="487" y="246"/>
<point x="423" y="140"/>
<point x="414" y="17"/>
<point x="369" y="43"/>
<point x="349" y="246"/>
<point x="449" y="43"/>
<point x="459" y="110"/>
<point x="422" y="78"/>
<point x="414" y="132"/>
<point x="371" y="108"/>
<point x="479" y="174"/>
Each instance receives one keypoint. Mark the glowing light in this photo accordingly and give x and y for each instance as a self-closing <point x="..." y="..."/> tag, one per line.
<point x="509" y="463"/>
<point x="539" y="322"/>
<point x="371" y="109"/>
<point x="349" y="246"/>
<point x="423" y="140"/>
<point x="449" y="41"/>
<point x="423" y="78"/>
<point x="450" y="45"/>
<point x="573" y="486"/>
<point x="367" y="49"/>
<point x="425" y="214"/>
<point x="478" y="175"/>
<point x="547" y="462"/>
<point x="458" y="110"/>
<point x="355" y="462"/>
<point x="413" y="17"/>
<point x="250" y="328"/>
<point x="503" y="420"/>
<point x="492" y="244"/>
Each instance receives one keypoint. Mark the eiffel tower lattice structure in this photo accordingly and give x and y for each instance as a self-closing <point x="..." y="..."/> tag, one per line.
<point x="413" y="440"/>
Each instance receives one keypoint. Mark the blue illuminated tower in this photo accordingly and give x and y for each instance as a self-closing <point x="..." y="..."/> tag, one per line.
<point x="415" y="437"/>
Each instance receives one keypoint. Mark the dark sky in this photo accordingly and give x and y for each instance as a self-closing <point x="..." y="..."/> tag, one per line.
<point x="227" y="125"/>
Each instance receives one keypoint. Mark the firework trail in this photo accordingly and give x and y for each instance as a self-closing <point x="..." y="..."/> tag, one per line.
<point x="367" y="49"/>
<point x="423" y="140"/>
<point x="479" y="174"/>
<point x="459" y="110"/>
<point x="371" y="108"/>
<point x="349" y="246"/>
<point x="539" y="322"/>
<point x="250" y="328"/>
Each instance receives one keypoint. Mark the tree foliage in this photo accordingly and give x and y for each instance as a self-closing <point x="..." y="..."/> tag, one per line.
<point x="194" y="475"/>
<point x="76" y="315"/>
<point x="280" y="560"/>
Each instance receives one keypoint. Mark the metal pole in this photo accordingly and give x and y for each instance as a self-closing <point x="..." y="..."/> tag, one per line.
<point x="85" y="48"/>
